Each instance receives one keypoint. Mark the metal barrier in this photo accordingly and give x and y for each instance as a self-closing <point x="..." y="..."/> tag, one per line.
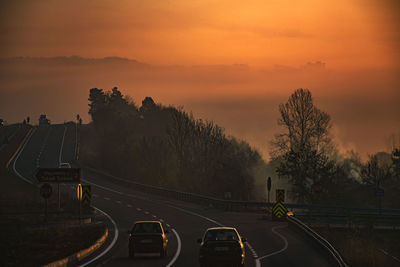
<point x="322" y="242"/>
<point x="322" y="210"/>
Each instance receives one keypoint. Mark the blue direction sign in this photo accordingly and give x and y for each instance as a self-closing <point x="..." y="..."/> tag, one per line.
<point x="379" y="192"/>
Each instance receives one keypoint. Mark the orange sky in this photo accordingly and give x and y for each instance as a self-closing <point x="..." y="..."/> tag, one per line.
<point x="359" y="40"/>
<point x="343" y="33"/>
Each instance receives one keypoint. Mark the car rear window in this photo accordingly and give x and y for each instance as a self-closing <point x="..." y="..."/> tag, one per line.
<point x="221" y="235"/>
<point x="146" y="228"/>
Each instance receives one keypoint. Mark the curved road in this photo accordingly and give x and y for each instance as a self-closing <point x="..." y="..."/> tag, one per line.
<point x="269" y="243"/>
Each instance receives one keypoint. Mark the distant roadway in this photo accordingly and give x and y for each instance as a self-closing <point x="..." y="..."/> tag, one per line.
<point x="269" y="243"/>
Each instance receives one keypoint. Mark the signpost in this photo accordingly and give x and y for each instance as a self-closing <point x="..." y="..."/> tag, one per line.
<point x="269" y="186"/>
<point x="379" y="192"/>
<point x="45" y="192"/>
<point x="58" y="175"/>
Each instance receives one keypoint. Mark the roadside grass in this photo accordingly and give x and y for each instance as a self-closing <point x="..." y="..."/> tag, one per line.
<point x="30" y="239"/>
<point x="362" y="247"/>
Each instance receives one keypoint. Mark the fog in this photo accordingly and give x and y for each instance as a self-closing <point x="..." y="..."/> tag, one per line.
<point x="363" y="104"/>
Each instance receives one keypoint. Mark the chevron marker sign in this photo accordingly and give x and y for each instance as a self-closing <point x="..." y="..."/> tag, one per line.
<point x="279" y="210"/>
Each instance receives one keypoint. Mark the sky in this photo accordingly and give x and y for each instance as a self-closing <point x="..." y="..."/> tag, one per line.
<point x="344" y="33"/>
<point x="347" y="52"/>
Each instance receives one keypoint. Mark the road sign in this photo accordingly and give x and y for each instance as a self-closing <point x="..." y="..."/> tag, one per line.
<point x="45" y="191"/>
<point x="86" y="194"/>
<point x="279" y="210"/>
<point x="378" y="192"/>
<point x="58" y="175"/>
<point x="79" y="191"/>
<point x="280" y="195"/>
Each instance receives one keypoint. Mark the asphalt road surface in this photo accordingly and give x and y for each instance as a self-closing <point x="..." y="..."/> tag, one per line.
<point x="269" y="243"/>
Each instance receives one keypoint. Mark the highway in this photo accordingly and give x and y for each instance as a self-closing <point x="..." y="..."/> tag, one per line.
<point x="269" y="243"/>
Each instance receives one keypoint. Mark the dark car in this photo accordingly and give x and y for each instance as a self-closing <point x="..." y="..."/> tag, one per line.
<point x="221" y="246"/>
<point x="148" y="237"/>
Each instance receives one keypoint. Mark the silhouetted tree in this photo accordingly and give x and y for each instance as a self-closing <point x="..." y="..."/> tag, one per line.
<point x="304" y="145"/>
<point x="375" y="171"/>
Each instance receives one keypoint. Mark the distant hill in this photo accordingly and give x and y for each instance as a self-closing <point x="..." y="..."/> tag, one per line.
<point x="72" y="60"/>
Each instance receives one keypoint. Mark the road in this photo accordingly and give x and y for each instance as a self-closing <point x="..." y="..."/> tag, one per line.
<point x="269" y="243"/>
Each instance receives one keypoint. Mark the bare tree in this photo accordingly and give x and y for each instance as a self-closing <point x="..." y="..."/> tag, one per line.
<point x="304" y="145"/>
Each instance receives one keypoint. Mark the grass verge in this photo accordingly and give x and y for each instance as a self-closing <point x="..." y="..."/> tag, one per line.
<point x="27" y="239"/>
<point x="362" y="247"/>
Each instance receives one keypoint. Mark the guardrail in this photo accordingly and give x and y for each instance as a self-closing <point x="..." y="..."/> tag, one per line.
<point x="322" y="210"/>
<point x="332" y="253"/>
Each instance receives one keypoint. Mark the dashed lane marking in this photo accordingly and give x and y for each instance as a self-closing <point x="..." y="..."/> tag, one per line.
<point x="167" y="225"/>
<point x="119" y="202"/>
<point x="129" y="205"/>
<point x="138" y="209"/>
<point x="107" y="198"/>
<point x="146" y="212"/>
<point x="154" y="216"/>
<point x="252" y="250"/>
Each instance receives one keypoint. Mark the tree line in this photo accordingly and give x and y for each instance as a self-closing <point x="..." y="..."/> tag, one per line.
<point x="305" y="154"/>
<point x="166" y="146"/>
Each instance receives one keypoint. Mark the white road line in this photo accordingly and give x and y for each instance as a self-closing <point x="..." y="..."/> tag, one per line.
<point x="112" y="243"/>
<point x="146" y="212"/>
<point x="106" y="198"/>
<point x="119" y="202"/>
<point x="252" y="250"/>
<point x="195" y="214"/>
<point x="258" y="263"/>
<point x="19" y="153"/>
<point x="178" y="250"/>
<point x="129" y="206"/>
<point x="168" y="225"/>
<point x="138" y="209"/>
<point x="183" y="210"/>
<point x="62" y="145"/>
<point x="161" y="220"/>
<point x="154" y="216"/>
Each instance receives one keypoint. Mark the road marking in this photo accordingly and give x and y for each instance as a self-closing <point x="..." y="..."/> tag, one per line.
<point x="129" y="205"/>
<point x="112" y="242"/>
<point x="146" y="212"/>
<point x="19" y="153"/>
<point x="161" y="220"/>
<point x="178" y="250"/>
<point x="106" y="198"/>
<point x="195" y="214"/>
<point x="139" y="209"/>
<point x="252" y="250"/>
<point x="62" y="145"/>
<point x="119" y="202"/>
<point x="154" y="216"/>
<point x="183" y="210"/>
<point x="258" y="261"/>
<point x="168" y="225"/>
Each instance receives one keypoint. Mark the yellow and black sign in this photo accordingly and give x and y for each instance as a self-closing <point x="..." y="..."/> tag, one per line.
<point x="79" y="191"/>
<point x="280" y="195"/>
<point x="279" y="210"/>
<point x="86" y="194"/>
